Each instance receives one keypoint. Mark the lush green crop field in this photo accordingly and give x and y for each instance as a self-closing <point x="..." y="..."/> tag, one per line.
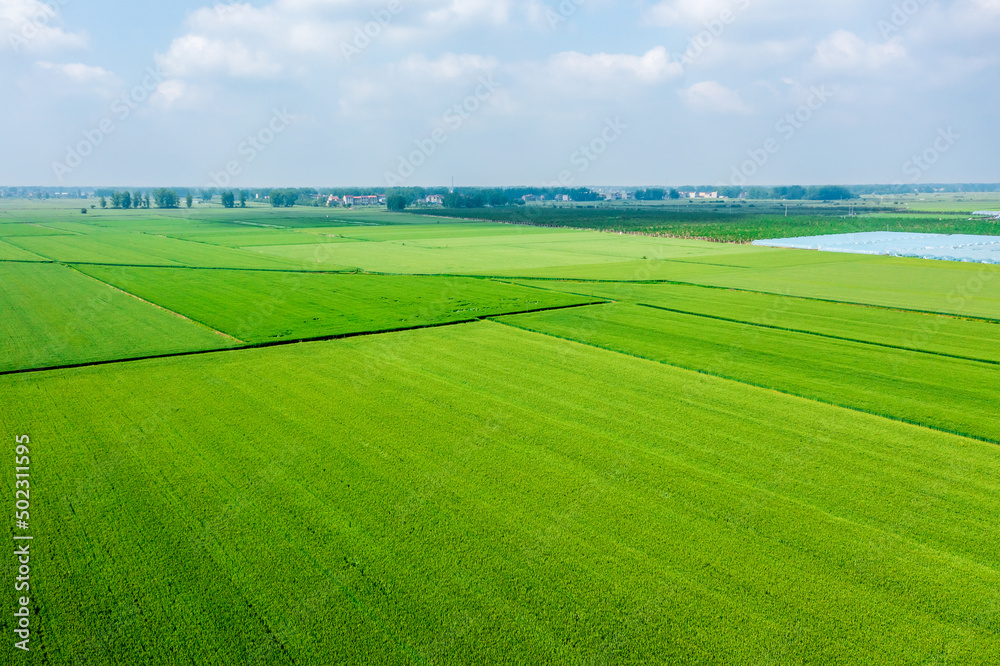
<point x="479" y="494"/>
<point x="734" y="462"/>
<point x="949" y="336"/>
<point x="53" y="315"/>
<point x="949" y="394"/>
<point x="265" y="307"/>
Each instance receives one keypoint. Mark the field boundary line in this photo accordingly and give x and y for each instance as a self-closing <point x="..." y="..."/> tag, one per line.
<point x="857" y="410"/>
<point x="820" y="335"/>
<point x="286" y="343"/>
<point x="346" y="271"/>
<point x="157" y="305"/>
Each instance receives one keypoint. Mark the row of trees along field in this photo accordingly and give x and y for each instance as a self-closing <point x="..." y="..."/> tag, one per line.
<point x="163" y="198"/>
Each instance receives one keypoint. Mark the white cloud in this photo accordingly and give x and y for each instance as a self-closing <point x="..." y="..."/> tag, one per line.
<point x="193" y="55"/>
<point x="844" y="50"/>
<point x="448" y="67"/>
<point x="690" y="12"/>
<point x="75" y="78"/>
<point x="652" y="67"/>
<point x="713" y="97"/>
<point x="458" y="12"/>
<point x="34" y="26"/>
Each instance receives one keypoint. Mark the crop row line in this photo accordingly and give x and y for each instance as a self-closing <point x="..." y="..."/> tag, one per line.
<point x="285" y="343"/>
<point x="820" y="335"/>
<point x="744" y="382"/>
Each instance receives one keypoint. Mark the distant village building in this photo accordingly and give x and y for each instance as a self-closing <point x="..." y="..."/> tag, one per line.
<point x="563" y="197"/>
<point x="361" y="200"/>
<point x="528" y="198"/>
<point x="434" y="200"/>
<point x="700" y="195"/>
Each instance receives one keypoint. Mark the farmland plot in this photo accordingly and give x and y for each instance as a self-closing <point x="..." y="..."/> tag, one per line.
<point x="266" y="307"/>
<point x="949" y="394"/>
<point x="53" y="316"/>
<point x="479" y="494"/>
<point x="946" y="335"/>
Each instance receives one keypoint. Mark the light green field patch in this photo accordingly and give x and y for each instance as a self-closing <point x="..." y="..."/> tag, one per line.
<point x="952" y="287"/>
<point x="267" y="307"/>
<point x="482" y="495"/>
<point x="248" y="237"/>
<point x="145" y="249"/>
<point x="24" y="229"/>
<point x="53" y="315"/>
<point x="404" y="258"/>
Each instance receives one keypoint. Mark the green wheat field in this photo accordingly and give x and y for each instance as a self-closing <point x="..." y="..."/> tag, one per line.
<point x="320" y="437"/>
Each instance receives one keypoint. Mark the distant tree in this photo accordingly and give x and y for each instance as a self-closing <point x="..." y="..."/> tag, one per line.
<point x="103" y="202"/>
<point x="243" y="199"/>
<point x="137" y="199"/>
<point x="396" y="202"/>
<point x="189" y="200"/>
<point x="83" y="210"/>
<point x="830" y="193"/>
<point x="207" y="195"/>
<point x="126" y="200"/>
<point x="228" y="199"/>
<point x="650" y="195"/>
<point x="166" y="198"/>
<point x="145" y="200"/>
<point x="674" y="194"/>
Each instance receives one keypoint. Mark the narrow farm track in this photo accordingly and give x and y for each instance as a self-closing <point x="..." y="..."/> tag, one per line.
<point x="756" y="385"/>
<point x="285" y="343"/>
<point x="819" y="335"/>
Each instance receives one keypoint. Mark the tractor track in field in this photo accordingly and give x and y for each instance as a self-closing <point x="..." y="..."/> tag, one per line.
<point x="286" y="343"/>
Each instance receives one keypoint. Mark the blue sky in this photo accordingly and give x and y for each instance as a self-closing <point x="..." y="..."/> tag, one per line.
<point x="506" y="92"/>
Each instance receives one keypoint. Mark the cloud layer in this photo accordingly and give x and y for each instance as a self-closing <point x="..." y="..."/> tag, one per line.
<point x="698" y="82"/>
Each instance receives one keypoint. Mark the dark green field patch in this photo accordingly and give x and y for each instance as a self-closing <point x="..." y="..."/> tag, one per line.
<point x="939" y="334"/>
<point x="53" y="315"/>
<point x="10" y="252"/>
<point x="949" y="394"/>
<point x="266" y="307"/>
